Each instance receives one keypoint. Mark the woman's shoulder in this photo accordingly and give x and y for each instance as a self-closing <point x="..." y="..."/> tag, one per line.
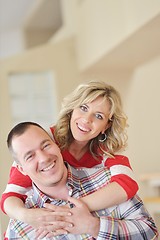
<point x="121" y="157"/>
<point x="117" y="160"/>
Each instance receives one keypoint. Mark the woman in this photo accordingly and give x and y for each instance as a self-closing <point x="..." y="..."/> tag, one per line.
<point x="90" y="131"/>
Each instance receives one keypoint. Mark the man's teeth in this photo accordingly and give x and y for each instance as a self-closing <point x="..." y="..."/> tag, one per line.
<point x="48" y="168"/>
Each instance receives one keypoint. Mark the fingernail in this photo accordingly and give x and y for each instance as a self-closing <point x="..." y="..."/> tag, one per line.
<point x="71" y="205"/>
<point x="70" y="225"/>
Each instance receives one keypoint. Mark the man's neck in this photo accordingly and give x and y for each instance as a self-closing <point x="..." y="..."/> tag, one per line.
<point x="61" y="193"/>
<point x="58" y="190"/>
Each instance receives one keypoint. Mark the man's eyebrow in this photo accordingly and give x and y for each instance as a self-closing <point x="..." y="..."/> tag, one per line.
<point x="27" y="153"/>
<point x="43" y="142"/>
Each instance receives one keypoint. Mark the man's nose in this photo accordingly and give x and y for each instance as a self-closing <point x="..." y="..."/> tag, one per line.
<point x="42" y="156"/>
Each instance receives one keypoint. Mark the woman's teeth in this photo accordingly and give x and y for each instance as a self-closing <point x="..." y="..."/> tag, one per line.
<point x="83" y="129"/>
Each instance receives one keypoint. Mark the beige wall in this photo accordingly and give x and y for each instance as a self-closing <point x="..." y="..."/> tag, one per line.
<point x="107" y="24"/>
<point x="97" y="35"/>
<point x="144" y="117"/>
<point x="143" y="110"/>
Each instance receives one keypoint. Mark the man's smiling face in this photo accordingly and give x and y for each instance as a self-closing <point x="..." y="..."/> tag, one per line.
<point x="39" y="156"/>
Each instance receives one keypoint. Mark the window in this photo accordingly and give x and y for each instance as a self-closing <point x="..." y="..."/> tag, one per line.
<point x="33" y="98"/>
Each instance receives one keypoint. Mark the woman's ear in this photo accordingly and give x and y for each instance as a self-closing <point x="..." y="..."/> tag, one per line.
<point x="20" y="168"/>
<point x="109" y="124"/>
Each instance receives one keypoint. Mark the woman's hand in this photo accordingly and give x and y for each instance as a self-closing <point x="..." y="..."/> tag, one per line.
<point x="43" y="220"/>
<point x="81" y="218"/>
<point x="42" y="217"/>
<point x="36" y="217"/>
<point x="54" y="223"/>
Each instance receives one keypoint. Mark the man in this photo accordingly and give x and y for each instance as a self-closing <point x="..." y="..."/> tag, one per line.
<point x="53" y="181"/>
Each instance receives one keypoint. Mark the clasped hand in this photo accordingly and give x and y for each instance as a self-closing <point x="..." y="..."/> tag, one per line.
<point x="65" y="220"/>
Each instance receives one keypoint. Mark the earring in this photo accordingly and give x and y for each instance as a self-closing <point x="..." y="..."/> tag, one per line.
<point x="104" y="137"/>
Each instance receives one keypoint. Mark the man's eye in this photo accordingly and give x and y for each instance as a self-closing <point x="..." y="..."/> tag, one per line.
<point x="99" y="116"/>
<point x="83" y="108"/>
<point x="29" y="157"/>
<point x="46" y="145"/>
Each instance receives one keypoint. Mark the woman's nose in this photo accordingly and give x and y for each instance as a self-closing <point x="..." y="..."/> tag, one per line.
<point x="87" y="118"/>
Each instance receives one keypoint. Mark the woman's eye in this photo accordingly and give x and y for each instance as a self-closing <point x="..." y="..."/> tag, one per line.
<point x="83" y="108"/>
<point x="99" y="116"/>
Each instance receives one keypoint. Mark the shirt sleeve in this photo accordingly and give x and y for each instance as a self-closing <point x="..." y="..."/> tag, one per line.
<point x="133" y="223"/>
<point x="122" y="173"/>
<point x="18" y="186"/>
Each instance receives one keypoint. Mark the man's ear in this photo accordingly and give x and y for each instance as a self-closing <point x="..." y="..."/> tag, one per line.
<point x="20" y="168"/>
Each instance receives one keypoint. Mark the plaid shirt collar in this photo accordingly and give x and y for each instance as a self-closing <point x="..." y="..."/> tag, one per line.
<point x="73" y="183"/>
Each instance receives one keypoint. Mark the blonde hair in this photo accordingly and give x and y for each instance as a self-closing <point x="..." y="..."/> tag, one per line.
<point x="86" y="93"/>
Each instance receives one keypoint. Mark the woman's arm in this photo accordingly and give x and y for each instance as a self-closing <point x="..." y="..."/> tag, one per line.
<point x="36" y="217"/>
<point x="122" y="185"/>
<point x="106" y="197"/>
<point x="18" y="186"/>
<point x="15" y="208"/>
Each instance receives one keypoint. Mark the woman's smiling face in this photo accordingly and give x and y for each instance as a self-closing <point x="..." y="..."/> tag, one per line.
<point x="90" y="119"/>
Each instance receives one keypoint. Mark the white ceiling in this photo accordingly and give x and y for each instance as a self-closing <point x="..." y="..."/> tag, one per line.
<point x="27" y="23"/>
<point x="30" y="13"/>
<point x="13" y="13"/>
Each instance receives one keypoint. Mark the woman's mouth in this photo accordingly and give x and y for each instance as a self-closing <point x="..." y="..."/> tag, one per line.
<point x="82" y="128"/>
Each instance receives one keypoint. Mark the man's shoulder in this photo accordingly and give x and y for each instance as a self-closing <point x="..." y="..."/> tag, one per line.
<point x="97" y="170"/>
<point x="91" y="178"/>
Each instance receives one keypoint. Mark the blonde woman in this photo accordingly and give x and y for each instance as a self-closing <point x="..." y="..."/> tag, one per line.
<point x="91" y="132"/>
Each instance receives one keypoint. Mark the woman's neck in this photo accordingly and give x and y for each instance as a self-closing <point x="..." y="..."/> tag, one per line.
<point x="78" y="149"/>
